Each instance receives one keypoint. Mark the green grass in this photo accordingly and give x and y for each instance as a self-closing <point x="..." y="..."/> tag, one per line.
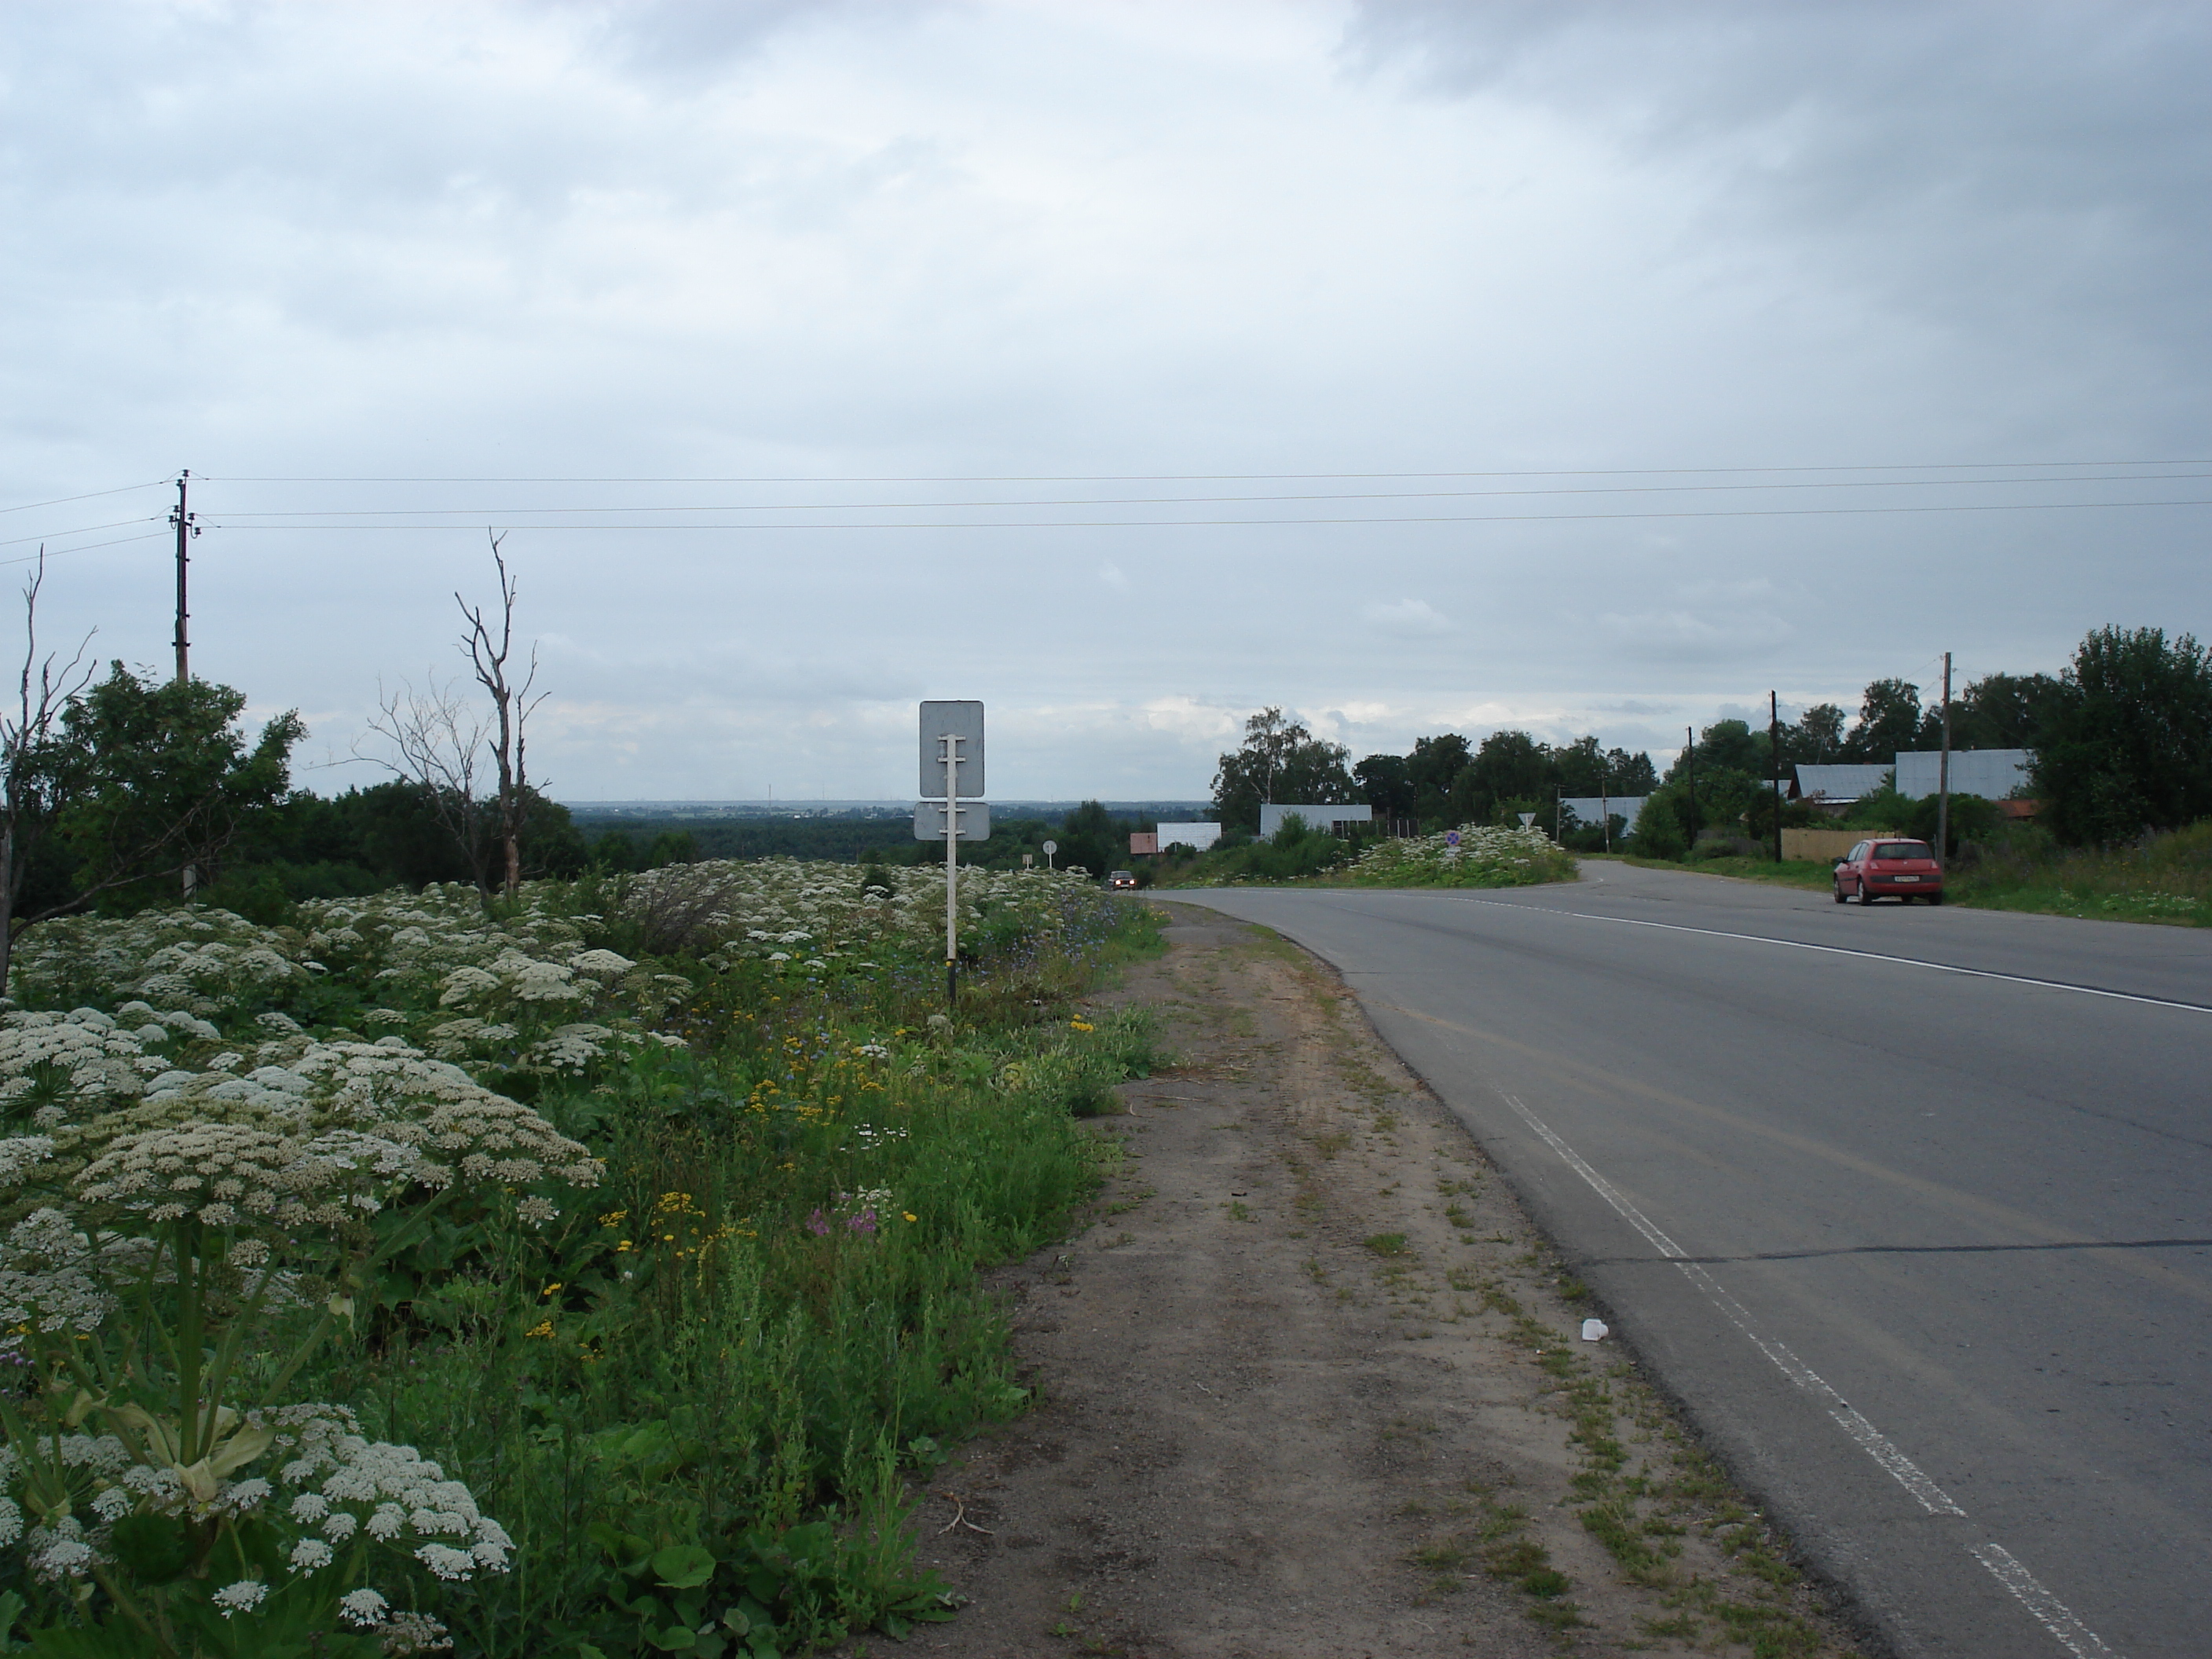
<point x="2167" y="880"/>
<point x="768" y="1314"/>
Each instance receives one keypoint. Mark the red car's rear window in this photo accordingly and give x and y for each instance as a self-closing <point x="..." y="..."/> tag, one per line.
<point x="1904" y="850"/>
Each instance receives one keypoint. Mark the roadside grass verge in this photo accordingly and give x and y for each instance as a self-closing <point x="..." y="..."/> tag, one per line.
<point x="1469" y="857"/>
<point x="2166" y="880"/>
<point x="693" y="1395"/>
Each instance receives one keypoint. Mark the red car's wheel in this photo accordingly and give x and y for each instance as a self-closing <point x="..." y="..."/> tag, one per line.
<point x="1865" y="898"/>
<point x="1840" y="894"/>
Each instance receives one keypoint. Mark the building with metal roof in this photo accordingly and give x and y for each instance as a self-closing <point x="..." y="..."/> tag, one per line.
<point x="1837" y="785"/>
<point x="1992" y="774"/>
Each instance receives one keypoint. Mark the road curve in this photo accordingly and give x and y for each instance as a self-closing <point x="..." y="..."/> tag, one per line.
<point x="1910" y="1207"/>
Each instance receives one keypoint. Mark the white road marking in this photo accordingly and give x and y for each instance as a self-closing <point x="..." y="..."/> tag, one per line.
<point x="1845" y="950"/>
<point x="2047" y="1609"/>
<point x="1871" y="1440"/>
<point x="2049" y="1612"/>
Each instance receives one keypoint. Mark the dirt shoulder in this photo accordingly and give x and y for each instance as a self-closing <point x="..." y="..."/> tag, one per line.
<point x="1310" y="1384"/>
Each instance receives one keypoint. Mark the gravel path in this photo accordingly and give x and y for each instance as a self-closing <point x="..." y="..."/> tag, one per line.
<point x="1311" y="1385"/>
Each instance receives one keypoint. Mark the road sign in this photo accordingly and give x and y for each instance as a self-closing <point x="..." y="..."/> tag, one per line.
<point x="962" y="721"/>
<point x="1528" y="818"/>
<point x="929" y="820"/>
<point x="1050" y="847"/>
<point x="1451" y="837"/>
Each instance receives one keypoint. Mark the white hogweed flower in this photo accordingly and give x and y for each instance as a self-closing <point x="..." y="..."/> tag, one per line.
<point x="310" y="1554"/>
<point x="244" y="1596"/>
<point x="362" y="1607"/>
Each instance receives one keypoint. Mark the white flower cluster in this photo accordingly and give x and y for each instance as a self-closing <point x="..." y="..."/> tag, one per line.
<point x="100" y="1055"/>
<point x="342" y="1485"/>
<point x="347" y="1485"/>
<point x="53" y="1278"/>
<point x="814" y="912"/>
<point x="1482" y="856"/>
<point x="328" y="1138"/>
<point x="199" y="960"/>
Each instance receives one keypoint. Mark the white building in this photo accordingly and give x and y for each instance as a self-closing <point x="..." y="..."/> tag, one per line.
<point x="1316" y="817"/>
<point x="1196" y="837"/>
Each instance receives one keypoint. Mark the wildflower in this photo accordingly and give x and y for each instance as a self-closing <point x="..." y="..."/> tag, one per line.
<point x="362" y="1607"/>
<point x="911" y="1216"/>
<point x="542" y="1328"/>
<point x="310" y="1554"/>
<point x="446" y="1562"/>
<point x="244" y="1596"/>
<point x="817" y="1225"/>
<point x="1082" y="1025"/>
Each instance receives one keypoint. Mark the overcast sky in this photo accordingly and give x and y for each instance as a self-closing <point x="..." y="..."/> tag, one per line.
<point x="1129" y="366"/>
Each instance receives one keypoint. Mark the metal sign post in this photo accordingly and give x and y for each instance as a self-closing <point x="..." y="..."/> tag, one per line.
<point x="952" y="761"/>
<point x="1050" y="847"/>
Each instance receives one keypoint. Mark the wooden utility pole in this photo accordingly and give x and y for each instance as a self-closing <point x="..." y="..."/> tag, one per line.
<point x="1943" y="778"/>
<point x="1774" y="746"/>
<point x="186" y="530"/>
<point x="1690" y="733"/>
<point x="182" y="518"/>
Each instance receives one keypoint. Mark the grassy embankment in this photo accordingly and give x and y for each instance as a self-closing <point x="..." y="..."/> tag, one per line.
<point x="691" y="1396"/>
<point x="2168" y="879"/>
<point x="1480" y="857"/>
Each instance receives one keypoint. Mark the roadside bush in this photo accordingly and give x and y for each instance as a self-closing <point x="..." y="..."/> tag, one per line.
<point x="291" y="1399"/>
<point x="1479" y="858"/>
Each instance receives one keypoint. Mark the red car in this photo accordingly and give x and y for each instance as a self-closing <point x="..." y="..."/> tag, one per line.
<point x="1904" y="870"/>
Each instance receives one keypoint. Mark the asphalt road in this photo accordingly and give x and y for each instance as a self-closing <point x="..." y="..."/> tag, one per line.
<point x="1926" y="1254"/>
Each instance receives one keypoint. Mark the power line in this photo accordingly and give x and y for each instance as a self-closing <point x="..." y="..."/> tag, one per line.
<point x="1212" y="477"/>
<point x="56" y="552"/>
<point x="81" y="530"/>
<point x="506" y="512"/>
<point x="1181" y="524"/>
<point x="59" y="500"/>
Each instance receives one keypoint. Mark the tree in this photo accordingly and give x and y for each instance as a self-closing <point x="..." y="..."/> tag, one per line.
<point x="439" y="741"/>
<point x="1434" y="769"/>
<point x="36" y="770"/>
<point x="1889" y="721"/>
<point x="2006" y="711"/>
<point x="1817" y="739"/>
<point x="2129" y="743"/>
<point x="1387" y="785"/>
<point x="1508" y="767"/>
<point x="511" y="707"/>
<point x="1280" y="760"/>
<point x="164" y="782"/>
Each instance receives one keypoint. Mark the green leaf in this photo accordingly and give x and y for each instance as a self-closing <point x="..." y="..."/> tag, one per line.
<point x="683" y="1566"/>
<point x="153" y="1547"/>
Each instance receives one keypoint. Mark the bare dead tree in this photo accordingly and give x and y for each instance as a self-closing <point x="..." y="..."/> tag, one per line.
<point x="436" y="739"/>
<point x="35" y="768"/>
<point x="511" y="708"/>
<point x="440" y="739"/>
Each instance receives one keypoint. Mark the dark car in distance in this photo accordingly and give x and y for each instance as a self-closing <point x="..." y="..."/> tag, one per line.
<point x="1889" y="868"/>
<point x="1121" y="880"/>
